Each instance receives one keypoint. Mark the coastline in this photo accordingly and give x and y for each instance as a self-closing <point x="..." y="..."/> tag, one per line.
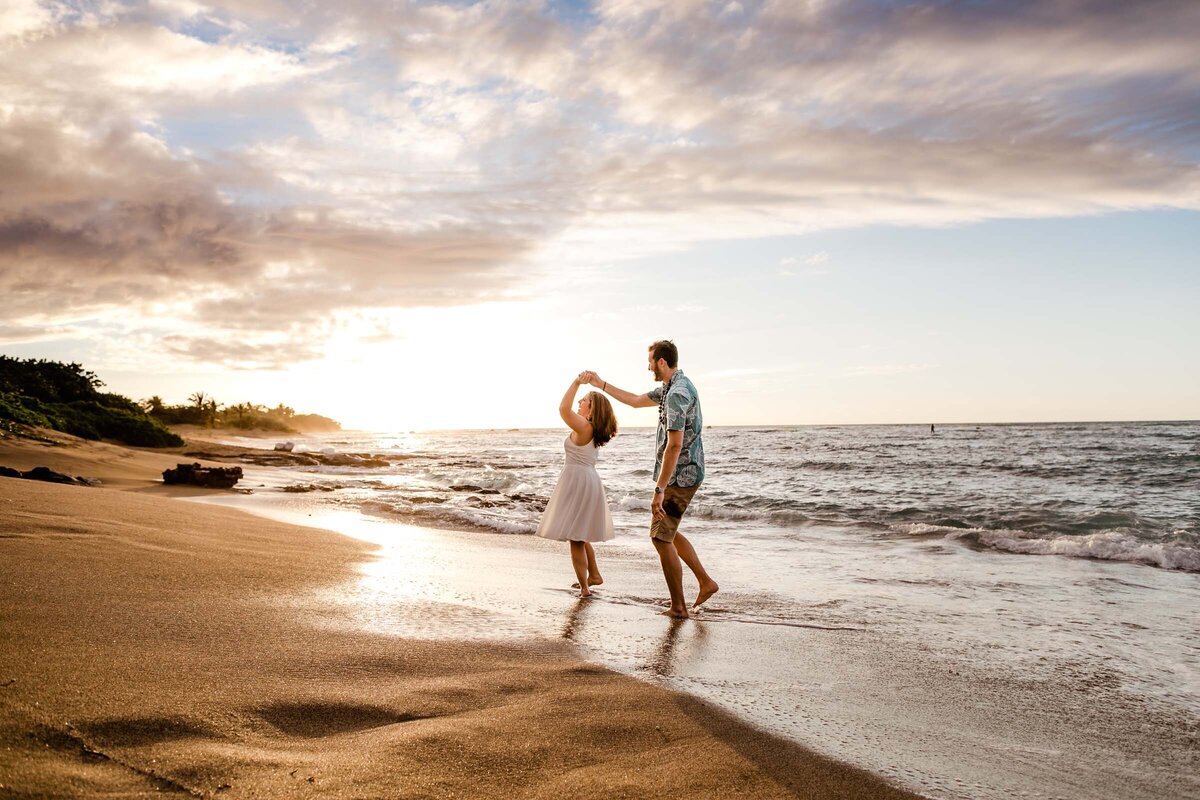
<point x="154" y="646"/>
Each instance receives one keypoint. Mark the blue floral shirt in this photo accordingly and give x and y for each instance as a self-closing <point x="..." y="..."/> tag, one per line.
<point x="679" y="410"/>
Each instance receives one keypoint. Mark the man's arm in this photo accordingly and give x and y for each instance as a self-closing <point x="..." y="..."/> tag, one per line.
<point x="628" y="398"/>
<point x="670" y="459"/>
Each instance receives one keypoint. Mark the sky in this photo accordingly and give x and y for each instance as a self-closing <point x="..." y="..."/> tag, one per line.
<point x="413" y="215"/>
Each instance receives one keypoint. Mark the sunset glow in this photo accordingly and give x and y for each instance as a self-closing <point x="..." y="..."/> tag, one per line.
<point x="432" y="215"/>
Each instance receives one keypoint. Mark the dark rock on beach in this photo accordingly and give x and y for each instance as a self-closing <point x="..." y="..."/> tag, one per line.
<point x="208" y="477"/>
<point x="46" y="474"/>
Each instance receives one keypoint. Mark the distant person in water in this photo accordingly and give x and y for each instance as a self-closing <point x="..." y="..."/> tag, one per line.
<point x="678" y="468"/>
<point x="578" y="510"/>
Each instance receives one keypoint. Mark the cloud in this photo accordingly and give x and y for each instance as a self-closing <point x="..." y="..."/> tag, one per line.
<point x="20" y="334"/>
<point x="238" y="354"/>
<point x="251" y="164"/>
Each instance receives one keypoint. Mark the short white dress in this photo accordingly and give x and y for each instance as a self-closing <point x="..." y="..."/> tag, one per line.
<point x="578" y="510"/>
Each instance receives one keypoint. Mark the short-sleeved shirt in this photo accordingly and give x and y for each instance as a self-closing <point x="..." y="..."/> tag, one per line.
<point x="679" y="410"/>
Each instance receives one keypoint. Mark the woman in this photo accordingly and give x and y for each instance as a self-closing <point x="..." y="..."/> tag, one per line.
<point x="578" y="511"/>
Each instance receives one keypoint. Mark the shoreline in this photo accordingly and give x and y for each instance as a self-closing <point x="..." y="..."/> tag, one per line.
<point x="933" y="691"/>
<point x="154" y="646"/>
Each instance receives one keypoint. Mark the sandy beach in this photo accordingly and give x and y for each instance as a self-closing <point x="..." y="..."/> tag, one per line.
<point x="152" y="646"/>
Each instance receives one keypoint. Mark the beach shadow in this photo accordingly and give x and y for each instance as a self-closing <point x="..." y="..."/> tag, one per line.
<point x="315" y="720"/>
<point x="136" y="732"/>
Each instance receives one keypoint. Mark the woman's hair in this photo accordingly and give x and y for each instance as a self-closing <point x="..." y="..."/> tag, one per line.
<point x="604" y="421"/>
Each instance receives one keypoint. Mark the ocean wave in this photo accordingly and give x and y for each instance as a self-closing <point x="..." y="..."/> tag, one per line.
<point x="1112" y="545"/>
<point x="829" y="466"/>
<point x="453" y="517"/>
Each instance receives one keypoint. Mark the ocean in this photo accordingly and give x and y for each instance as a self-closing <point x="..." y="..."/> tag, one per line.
<point x="975" y="612"/>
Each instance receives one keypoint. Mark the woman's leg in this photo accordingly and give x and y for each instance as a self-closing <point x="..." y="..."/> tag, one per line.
<point x="594" y="576"/>
<point x="579" y="560"/>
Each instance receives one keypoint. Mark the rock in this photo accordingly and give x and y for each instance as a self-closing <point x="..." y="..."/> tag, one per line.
<point x="47" y="474"/>
<point x="208" y="477"/>
<point x="285" y="447"/>
<point x="9" y="472"/>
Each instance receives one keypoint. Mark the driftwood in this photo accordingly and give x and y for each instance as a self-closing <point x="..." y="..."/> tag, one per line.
<point x="210" y="477"/>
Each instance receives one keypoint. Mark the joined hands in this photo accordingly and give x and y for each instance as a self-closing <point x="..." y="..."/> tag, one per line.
<point x="590" y="378"/>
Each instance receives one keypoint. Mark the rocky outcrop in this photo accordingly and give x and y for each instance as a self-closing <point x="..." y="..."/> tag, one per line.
<point x="48" y="475"/>
<point x="208" y="477"/>
<point x="280" y="458"/>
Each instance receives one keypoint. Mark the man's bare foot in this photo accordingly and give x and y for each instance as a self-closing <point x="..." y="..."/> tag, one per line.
<point x="676" y="613"/>
<point x="706" y="591"/>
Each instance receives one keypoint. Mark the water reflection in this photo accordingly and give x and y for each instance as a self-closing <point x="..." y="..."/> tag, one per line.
<point x="574" y="621"/>
<point x="668" y="658"/>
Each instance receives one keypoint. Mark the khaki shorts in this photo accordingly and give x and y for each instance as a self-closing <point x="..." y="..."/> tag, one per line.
<point x="675" y="502"/>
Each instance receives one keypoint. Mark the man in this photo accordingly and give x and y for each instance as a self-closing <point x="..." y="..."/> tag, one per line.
<point x="678" y="468"/>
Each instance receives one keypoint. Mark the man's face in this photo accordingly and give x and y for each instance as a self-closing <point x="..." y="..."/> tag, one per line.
<point x="657" y="367"/>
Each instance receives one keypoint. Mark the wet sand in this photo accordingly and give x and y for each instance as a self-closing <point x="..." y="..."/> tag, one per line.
<point x="150" y="646"/>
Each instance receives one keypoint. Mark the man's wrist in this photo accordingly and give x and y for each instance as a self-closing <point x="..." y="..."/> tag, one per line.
<point x="659" y="490"/>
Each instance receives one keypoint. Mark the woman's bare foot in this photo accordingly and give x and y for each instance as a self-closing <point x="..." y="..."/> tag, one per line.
<point x="595" y="580"/>
<point x="707" y="590"/>
<point x="585" y="595"/>
<point x="676" y="613"/>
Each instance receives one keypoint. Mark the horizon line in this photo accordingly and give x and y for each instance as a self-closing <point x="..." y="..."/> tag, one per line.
<point x="812" y="425"/>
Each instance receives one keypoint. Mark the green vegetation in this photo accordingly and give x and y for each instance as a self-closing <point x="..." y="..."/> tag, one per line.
<point x="66" y="397"/>
<point x="202" y="409"/>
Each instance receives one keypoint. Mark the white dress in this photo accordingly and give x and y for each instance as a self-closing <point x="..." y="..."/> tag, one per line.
<point x="578" y="510"/>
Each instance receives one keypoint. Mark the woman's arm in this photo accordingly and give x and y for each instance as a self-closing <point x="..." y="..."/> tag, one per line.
<point x="581" y="429"/>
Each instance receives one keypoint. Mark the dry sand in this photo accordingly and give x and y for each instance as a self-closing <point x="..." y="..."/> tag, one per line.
<point x="150" y="646"/>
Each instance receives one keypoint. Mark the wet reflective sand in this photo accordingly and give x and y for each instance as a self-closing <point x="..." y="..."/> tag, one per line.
<point x="956" y="717"/>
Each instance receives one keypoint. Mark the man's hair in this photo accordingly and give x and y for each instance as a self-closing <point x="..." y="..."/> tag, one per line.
<point x="665" y="349"/>
<point x="604" y="421"/>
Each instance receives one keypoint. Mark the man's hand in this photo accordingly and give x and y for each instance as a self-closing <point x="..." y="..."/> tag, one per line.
<point x="656" y="507"/>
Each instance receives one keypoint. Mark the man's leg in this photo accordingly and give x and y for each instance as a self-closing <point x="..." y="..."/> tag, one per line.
<point x="673" y="572"/>
<point x="708" y="587"/>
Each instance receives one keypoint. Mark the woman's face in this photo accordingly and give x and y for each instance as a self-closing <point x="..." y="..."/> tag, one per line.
<point x="585" y="406"/>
